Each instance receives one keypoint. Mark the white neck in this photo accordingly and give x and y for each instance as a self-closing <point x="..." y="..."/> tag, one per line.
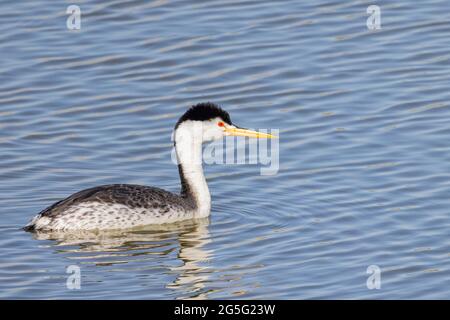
<point x="188" y="146"/>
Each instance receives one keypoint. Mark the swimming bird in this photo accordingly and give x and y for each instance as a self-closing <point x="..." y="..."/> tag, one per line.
<point x="122" y="206"/>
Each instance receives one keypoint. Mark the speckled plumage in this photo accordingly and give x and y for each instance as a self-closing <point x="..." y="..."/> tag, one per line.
<point x="115" y="206"/>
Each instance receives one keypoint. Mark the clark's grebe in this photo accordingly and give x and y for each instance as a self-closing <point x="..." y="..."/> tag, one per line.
<point x="120" y="206"/>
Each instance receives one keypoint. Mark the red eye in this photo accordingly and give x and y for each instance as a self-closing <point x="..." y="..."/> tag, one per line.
<point x="220" y="124"/>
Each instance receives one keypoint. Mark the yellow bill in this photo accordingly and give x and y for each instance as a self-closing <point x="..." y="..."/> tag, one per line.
<point x="233" y="131"/>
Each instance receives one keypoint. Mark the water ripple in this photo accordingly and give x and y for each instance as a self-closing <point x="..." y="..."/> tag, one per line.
<point x="364" y="155"/>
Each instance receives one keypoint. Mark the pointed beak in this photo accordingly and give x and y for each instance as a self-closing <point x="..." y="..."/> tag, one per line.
<point x="234" y="131"/>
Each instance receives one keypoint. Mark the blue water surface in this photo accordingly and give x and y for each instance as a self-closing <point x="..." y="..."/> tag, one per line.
<point x="364" y="153"/>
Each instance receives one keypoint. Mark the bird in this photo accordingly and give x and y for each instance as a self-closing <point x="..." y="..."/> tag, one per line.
<point x="124" y="206"/>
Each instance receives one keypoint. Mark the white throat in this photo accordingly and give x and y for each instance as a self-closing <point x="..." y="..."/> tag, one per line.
<point x="188" y="146"/>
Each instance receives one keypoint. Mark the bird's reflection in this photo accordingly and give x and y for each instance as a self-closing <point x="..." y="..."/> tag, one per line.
<point x="185" y="241"/>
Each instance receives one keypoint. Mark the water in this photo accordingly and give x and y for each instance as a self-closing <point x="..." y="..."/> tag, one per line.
<point x="364" y="176"/>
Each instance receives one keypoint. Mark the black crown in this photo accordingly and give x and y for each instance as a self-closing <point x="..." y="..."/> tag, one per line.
<point x="204" y="111"/>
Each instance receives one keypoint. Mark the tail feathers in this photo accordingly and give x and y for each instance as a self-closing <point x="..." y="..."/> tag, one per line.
<point x="31" y="226"/>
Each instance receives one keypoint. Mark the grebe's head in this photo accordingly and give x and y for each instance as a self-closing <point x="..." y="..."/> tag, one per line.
<point x="207" y="121"/>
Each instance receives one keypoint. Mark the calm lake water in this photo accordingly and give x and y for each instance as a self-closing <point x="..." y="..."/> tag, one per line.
<point x="364" y="148"/>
